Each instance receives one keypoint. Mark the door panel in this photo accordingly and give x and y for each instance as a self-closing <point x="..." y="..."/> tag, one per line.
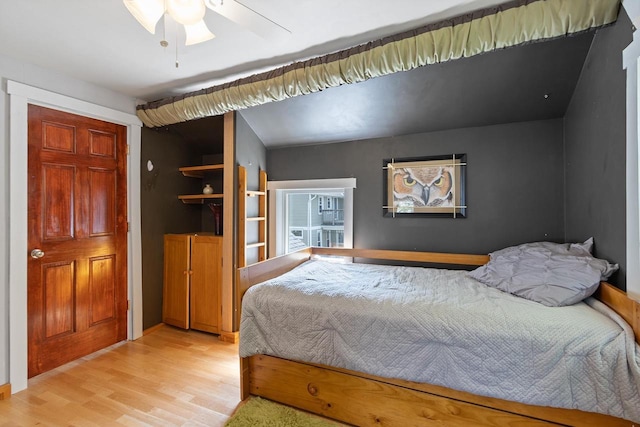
<point x="206" y="264"/>
<point x="101" y="289"/>
<point x="102" y="144"/>
<point x="175" y="289"/>
<point x="59" y="289"/>
<point x="58" y="194"/>
<point x="101" y="214"/>
<point x="77" y="290"/>
<point x="58" y="137"/>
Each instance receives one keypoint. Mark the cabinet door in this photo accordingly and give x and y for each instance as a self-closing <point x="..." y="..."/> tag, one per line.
<point x="175" y="303"/>
<point x="206" y="264"/>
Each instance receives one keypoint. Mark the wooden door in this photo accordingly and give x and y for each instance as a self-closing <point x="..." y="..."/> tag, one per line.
<point x="77" y="270"/>
<point x="206" y="265"/>
<point x="175" y="288"/>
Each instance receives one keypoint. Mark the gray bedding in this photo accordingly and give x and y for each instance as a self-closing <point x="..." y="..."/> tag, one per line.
<point x="553" y="274"/>
<point x="445" y="328"/>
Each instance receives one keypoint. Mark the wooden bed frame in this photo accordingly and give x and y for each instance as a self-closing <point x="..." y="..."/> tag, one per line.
<point x="367" y="400"/>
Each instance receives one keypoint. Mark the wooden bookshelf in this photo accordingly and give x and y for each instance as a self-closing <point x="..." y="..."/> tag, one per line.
<point x="243" y="219"/>
<point x="198" y="171"/>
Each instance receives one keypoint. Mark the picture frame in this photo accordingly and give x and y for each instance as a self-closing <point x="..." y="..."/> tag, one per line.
<point x="432" y="186"/>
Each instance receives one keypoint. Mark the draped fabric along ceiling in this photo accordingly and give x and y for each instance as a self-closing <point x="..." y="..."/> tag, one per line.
<point x="511" y="24"/>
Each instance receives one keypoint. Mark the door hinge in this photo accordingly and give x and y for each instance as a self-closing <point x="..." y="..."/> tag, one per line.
<point x="128" y="305"/>
<point x="128" y="149"/>
<point x="128" y="226"/>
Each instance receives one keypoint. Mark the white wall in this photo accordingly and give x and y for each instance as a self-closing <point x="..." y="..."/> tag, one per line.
<point x="631" y="59"/>
<point x="52" y="81"/>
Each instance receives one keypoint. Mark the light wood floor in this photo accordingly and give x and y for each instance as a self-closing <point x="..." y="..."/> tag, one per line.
<point x="169" y="377"/>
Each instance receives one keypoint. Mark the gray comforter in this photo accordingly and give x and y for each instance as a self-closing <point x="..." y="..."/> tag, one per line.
<point x="445" y="328"/>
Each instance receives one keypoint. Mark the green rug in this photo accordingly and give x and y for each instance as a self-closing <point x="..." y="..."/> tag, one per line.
<point x="257" y="412"/>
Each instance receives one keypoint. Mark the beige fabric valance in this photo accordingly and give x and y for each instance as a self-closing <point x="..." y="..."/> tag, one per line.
<point x="510" y="24"/>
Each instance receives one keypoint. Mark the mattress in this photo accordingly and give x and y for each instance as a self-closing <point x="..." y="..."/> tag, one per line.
<point x="442" y="327"/>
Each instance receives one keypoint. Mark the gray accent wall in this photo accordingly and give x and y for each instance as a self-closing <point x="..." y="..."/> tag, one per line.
<point x="595" y="141"/>
<point x="250" y="151"/>
<point x="161" y="210"/>
<point x="514" y="185"/>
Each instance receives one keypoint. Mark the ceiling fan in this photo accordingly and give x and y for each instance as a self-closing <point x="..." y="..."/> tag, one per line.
<point x="190" y="13"/>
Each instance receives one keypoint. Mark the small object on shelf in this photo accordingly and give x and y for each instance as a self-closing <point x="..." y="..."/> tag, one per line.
<point x="207" y="189"/>
<point x="216" y="208"/>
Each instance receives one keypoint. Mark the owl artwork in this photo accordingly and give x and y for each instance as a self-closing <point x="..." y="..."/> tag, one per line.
<point x="422" y="187"/>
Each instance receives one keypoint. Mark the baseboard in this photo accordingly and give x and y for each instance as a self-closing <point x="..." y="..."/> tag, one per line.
<point x="5" y="391"/>
<point x="230" y="337"/>
<point x="152" y="329"/>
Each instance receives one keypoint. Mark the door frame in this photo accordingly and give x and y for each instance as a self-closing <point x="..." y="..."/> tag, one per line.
<point x="20" y="95"/>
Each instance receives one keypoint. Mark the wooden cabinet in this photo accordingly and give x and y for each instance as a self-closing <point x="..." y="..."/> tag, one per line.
<point x="192" y="281"/>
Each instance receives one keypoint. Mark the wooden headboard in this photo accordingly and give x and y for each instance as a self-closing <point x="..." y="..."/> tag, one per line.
<point x="248" y="276"/>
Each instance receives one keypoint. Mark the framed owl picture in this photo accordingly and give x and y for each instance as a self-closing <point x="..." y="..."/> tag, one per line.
<point x="426" y="186"/>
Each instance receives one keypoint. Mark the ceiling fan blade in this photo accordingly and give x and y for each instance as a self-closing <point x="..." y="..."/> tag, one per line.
<point x="250" y="19"/>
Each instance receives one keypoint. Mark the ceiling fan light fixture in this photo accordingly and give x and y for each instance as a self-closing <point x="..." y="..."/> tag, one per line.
<point x="146" y="12"/>
<point x="197" y="33"/>
<point x="186" y="12"/>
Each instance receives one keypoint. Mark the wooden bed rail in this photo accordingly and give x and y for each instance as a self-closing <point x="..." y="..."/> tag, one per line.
<point x="265" y="270"/>
<point x="619" y="302"/>
<point x="430" y="257"/>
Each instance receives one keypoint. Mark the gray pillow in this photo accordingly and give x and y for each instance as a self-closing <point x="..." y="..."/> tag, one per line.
<point x="553" y="274"/>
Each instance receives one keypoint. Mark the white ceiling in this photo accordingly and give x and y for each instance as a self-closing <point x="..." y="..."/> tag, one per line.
<point x="98" y="41"/>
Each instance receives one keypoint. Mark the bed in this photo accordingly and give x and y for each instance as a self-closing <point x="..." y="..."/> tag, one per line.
<point x="355" y="394"/>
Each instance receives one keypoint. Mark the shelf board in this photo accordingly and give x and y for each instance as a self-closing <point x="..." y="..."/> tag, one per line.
<point x="253" y="193"/>
<point x="254" y="245"/>
<point x="198" y="198"/>
<point x="256" y="218"/>
<point x="198" y="171"/>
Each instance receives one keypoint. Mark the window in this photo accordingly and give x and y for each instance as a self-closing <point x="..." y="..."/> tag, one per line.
<point x="292" y="205"/>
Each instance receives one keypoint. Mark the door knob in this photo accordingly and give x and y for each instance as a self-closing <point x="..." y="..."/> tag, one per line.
<point x="37" y="253"/>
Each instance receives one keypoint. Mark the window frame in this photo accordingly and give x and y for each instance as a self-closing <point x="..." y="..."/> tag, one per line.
<point x="277" y="207"/>
<point x="631" y="63"/>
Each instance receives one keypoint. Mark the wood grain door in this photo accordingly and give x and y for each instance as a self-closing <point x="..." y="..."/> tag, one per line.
<point x="77" y="270"/>
<point x="206" y="277"/>
<point x="175" y="288"/>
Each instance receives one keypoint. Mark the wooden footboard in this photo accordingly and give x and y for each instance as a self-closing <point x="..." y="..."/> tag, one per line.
<point x="367" y="400"/>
